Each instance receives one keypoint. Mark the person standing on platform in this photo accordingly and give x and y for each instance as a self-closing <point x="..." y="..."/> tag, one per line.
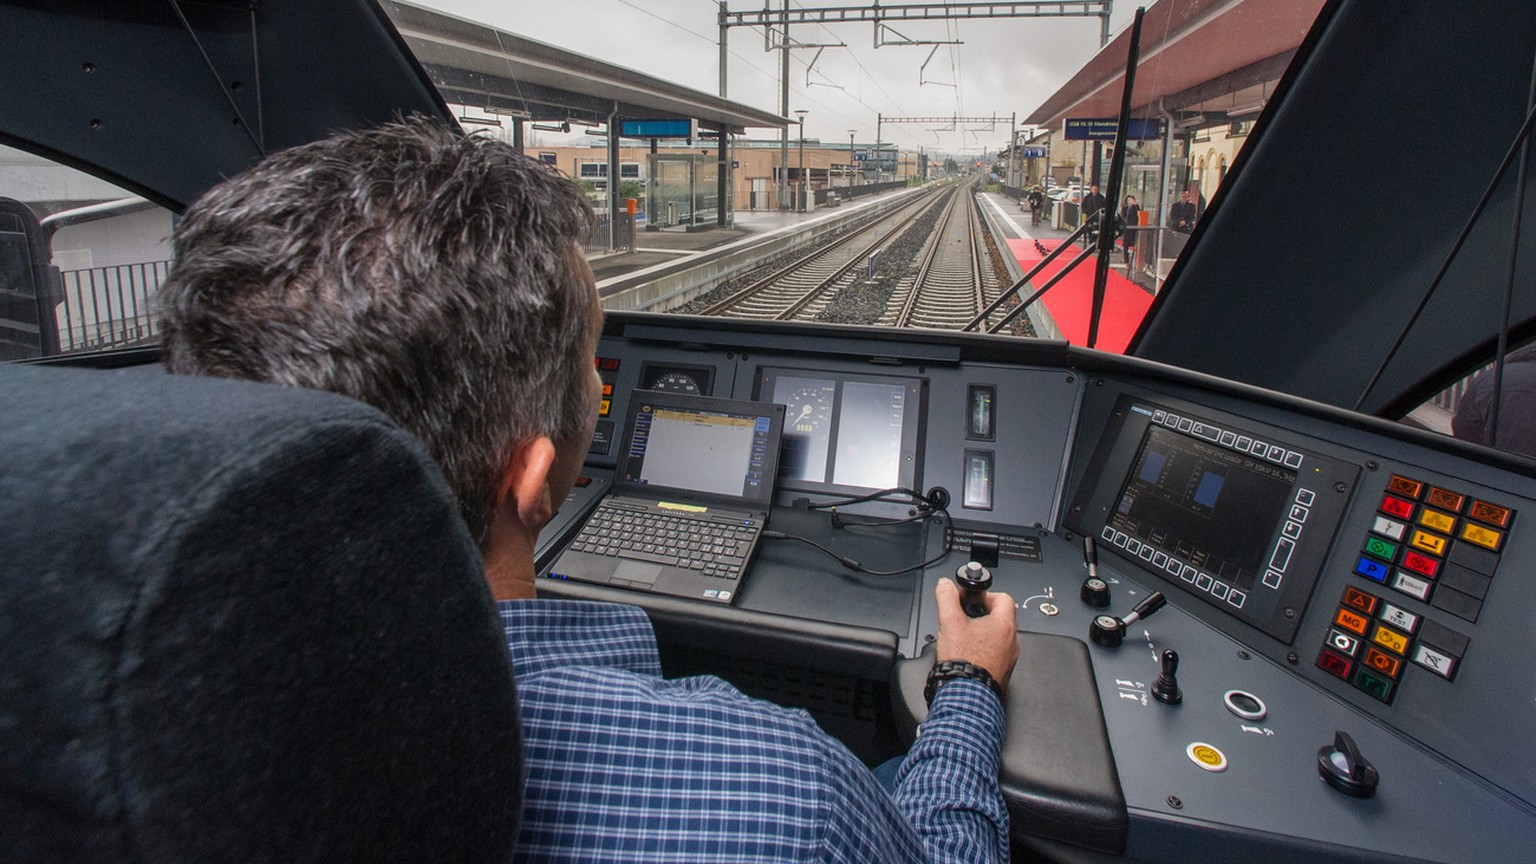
<point x="1036" y="204"/>
<point x="1182" y="215"/>
<point x="1093" y="208"/>
<point x="1517" y="406"/>
<point x="1130" y="217"/>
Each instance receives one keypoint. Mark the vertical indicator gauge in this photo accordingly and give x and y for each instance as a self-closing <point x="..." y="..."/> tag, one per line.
<point x="981" y="415"/>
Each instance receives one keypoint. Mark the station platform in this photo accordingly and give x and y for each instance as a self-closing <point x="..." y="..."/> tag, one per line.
<point x="664" y="248"/>
<point x="1070" y="301"/>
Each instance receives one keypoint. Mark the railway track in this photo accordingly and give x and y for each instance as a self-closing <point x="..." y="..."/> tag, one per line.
<point x="936" y="269"/>
<point x="802" y="289"/>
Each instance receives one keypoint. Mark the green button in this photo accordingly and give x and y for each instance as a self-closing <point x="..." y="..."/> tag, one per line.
<point x="1381" y="548"/>
<point x="1375" y="685"/>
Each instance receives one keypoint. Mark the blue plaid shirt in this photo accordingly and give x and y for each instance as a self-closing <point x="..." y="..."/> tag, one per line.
<point x="626" y="766"/>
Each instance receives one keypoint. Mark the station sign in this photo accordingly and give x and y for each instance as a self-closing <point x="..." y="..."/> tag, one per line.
<point x="676" y="128"/>
<point x="1103" y="128"/>
<point x="1032" y="152"/>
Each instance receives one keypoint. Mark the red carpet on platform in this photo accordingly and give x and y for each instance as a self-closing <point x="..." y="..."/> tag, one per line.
<point x="1070" y="301"/>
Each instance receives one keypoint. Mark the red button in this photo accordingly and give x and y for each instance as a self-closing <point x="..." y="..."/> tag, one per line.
<point x="1421" y="564"/>
<point x="1334" y="664"/>
<point x="1397" y="507"/>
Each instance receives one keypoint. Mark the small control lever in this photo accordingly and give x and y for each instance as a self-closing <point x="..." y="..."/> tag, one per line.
<point x="974" y="581"/>
<point x="1095" y="591"/>
<point x="1345" y="769"/>
<point x="1166" y="688"/>
<point x="1109" y="631"/>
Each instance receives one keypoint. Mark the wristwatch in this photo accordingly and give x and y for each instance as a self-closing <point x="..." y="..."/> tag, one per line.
<point x="948" y="670"/>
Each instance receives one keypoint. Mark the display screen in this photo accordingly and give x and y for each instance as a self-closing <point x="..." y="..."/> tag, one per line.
<point x="1205" y="505"/>
<point x="845" y="432"/>
<point x="699" y="449"/>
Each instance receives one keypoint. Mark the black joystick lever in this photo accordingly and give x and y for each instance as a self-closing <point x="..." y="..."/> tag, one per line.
<point x="1166" y="689"/>
<point x="1345" y="769"/>
<point x="1109" y="631"/>
<point x="974" y="580"/>
<point x="1095" y="591"/>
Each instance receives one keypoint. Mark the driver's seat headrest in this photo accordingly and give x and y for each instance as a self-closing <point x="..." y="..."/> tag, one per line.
<point x="240" y="622"/>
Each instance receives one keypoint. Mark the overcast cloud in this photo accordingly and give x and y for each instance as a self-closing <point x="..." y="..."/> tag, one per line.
<point x="1003" y="67"/>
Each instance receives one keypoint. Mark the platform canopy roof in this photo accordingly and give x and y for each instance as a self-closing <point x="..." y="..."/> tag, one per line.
<point x="1219" y="59"/>
<point x="477" y="65"/>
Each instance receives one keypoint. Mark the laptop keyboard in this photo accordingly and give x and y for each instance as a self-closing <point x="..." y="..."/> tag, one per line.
<point x="713" y="548"/>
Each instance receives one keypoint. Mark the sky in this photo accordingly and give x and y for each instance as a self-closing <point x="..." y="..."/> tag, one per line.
<point x="1004" y="66"/>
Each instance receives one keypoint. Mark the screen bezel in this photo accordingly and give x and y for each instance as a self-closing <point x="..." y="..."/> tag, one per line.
<point x="910" y="464"/>
<point x="761" y="500"/>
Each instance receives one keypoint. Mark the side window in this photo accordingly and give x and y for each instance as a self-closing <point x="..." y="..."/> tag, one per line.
<point x="1466" y="408"/>
<point x="80" y="260"/>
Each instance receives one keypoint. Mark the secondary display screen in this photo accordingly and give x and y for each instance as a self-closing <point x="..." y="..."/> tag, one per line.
<point x="700" y="449"/>
<point x="846" y="432"/>
<point x="1206" y="505"/>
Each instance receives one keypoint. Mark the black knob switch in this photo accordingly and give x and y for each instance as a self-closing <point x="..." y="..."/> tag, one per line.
<point x="1106" y="630"/>
<point x="1094" y="592"/>
<point x="1109" y="631"/>
<point x="1345" y="769"/>
<point x="1166" y="689"/>
<point x="974" y="581"/>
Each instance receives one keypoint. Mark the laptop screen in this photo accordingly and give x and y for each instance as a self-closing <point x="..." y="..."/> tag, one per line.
<point x="699" y="446"/>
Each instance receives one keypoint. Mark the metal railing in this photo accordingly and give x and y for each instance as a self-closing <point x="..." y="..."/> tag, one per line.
<point x="108" y="307"/>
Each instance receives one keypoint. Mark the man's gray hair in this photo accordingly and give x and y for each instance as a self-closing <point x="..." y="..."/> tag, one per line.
<point x="432" y="274"/>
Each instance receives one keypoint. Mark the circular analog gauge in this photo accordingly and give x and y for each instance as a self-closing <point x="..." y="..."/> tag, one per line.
<point x="809" y="409"/>
<point x="677" y="382"/>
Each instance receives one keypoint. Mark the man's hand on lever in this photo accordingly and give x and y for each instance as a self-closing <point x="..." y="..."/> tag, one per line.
<point x="990" y="641"/>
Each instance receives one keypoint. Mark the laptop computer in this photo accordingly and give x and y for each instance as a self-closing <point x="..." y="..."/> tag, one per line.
<point x="690" y="498"/>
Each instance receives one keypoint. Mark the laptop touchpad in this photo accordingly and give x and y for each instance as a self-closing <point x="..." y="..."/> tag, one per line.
<point x="636" y="571"/>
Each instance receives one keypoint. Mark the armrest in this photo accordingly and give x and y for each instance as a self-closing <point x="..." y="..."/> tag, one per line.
<point x="1058" y="772"/>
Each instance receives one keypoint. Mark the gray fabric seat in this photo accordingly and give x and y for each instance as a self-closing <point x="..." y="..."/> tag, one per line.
<point x="239" y="623"/>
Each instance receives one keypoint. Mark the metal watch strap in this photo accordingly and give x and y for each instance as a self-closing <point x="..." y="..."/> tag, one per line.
<point x="948" y="670"/>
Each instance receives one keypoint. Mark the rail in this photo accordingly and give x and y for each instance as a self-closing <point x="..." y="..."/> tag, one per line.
<point x="109" y="307"/>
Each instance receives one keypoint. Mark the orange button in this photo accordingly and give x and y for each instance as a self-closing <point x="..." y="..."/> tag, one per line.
<point x="1382" y="662"/>
<point x="1434" y="544"/>
<point x="1360" y="600"/>
<point x="607" y="389"/>
<point x="1351" y="621"/>
<point x="1391" y="639"/>
<point x="1445" y="499"/>
<point x="1404" y="486"/>
<point x="1485" y="537"/>
<point x="1493" y="514"/>
<point x="1442" y="522"/>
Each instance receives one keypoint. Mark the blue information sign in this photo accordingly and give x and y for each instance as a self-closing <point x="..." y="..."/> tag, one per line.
<point x="1032" y="152"/>
<point x="1103" y="129"/>
<point x="656" y="129"/>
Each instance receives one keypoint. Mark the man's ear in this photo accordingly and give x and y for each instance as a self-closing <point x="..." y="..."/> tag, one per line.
<point x="524" y="487"/>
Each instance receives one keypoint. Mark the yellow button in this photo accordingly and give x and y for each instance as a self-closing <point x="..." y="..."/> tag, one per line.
<point x="1390" y="639"/>
<point x="604" y="407"/>
<point x="1485" y="537"/>
<point x="1206" y="756"/>
<point x="1434" y="544"/>
<point x="1442" y="522"/>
